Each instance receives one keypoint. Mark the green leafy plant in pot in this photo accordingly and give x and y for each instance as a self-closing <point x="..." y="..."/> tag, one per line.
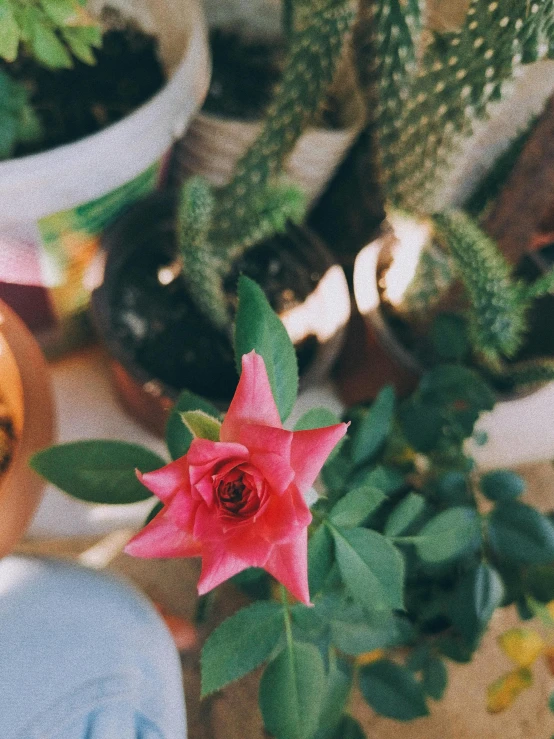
<point x="396" y="572"/>
<point x="91" y="103"/>
<point x="181" y="270"/>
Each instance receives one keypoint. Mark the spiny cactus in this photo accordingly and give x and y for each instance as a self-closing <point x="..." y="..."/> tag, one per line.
<point x="497" y="312"/>
<point x="255" y="205"/>
<point x="432" y="88"/>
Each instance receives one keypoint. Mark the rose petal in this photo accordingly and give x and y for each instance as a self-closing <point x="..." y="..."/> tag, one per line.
<point x="166" y="481"/>
<point x="284" y="516"/>
<point x="162" y="538"/>
<point x="309" y="451"/>
<point x="270" y="452"/>
<point x="222" y="561"/>
<point x="288" y="563"/>
<point x="253" y="401"/>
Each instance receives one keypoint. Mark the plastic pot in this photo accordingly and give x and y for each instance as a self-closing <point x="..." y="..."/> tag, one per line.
<point x="55" y="204"/>
<point x="26" y="399"/>
<point x="160" y="343"/>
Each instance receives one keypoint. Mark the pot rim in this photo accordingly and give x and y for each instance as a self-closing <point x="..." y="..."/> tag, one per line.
<point x="176" y="100"/>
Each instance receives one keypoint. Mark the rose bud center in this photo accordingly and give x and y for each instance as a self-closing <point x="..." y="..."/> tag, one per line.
<point x="239" y="494"/>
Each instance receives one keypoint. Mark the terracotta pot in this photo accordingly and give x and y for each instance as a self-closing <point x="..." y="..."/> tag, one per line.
<point x="160" y="343"/>
<point x="26" y="392"/>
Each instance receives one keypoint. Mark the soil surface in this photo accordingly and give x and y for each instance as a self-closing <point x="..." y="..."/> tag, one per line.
<point x="74" y="103"/>
<point x="146" y="317"/>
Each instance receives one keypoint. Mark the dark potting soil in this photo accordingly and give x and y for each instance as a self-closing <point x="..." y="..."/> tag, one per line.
<point x="160" y="331"/>
<point x="74" y="103"/>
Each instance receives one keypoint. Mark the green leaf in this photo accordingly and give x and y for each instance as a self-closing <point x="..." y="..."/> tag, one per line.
<point x="502" y="485"/>
<point x="551" y="702"/>
<point x="60" y="12"/>
<point x="449" y="336"/>
<point x="356" y="507"/>
<point x="78" y="45"/>
<point x="291" y="692"/>
<point x="201" y="425"/>
<point x="519" y="533"/>
<point x="371" y="568"/>
<point x="98" y="471"/>
<point x="453" y="488"/>
<point x="435" y="678"/>
<point x="375" y="427"/>
<point x="240" y="644"/>
<point x="46" y="46"/>
<point x="9" y="32"/>
<point x="339" y="683"/>
<point x="386" y="479"/>
<point x="381" y="631"/>
<point x="392" y="691"/>
<point x="320" y="558"/>
<point x="422" y="424"/>
<point x="348" y="728"/>
<point x="316" y="418"/>
<point x="177" y="436"/>
<point x="450" y="535"/>
<point x="258" y="327"/>
<point x="488" y="592"/>
<point x="405" y="514"/>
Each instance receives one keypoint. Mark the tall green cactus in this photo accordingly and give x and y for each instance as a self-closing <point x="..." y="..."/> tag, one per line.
<point x="432" y="88"/>
<point x="256" y="204"/>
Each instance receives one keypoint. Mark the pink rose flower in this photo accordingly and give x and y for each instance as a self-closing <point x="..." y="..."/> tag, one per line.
<point x="238" y="502"/>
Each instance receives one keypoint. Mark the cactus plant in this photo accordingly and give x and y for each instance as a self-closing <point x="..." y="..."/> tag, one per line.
<point x="256" y="203"/>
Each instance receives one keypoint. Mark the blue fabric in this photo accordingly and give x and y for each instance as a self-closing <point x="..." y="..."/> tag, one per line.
<point x="83" y="656"/>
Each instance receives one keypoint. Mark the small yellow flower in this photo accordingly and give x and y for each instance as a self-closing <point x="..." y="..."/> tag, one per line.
<point x="368" y="658"/>
<point x="503" y="692"/>
<point x="522" y="646"/>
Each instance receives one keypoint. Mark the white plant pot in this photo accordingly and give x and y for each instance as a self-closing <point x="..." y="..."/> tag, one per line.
<point x="53" y="205"/>
<point x="212" y="146"/>
<point x="519" y="430"/>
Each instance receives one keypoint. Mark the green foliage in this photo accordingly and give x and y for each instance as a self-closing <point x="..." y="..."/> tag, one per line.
<point x="291" y="692"/>
<point x="240" y="644"/>
<point x="435" y="678"/>
<point x="50" y="30"/>
<point x="18" y="122"/>
<point x="521" y="534"/>
<point x="449" y="535"/>
<point x="97" y="471"/>
<point x="257" y="327"/>
<point x="339" y="683"/>
<point x="177" y="436"/>
<point x="201" y="425"/>
<point x="356" y="506"/>
<point x="405" y="514"/>
<point x="392" y="690"/>
<point x="375" y="427"/>
<point x="502" y="485"/>
<point x="371" y="568"/>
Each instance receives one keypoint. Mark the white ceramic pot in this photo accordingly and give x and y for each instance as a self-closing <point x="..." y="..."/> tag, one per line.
<point x="212" y="146"/>
<point x="53" y="205"/>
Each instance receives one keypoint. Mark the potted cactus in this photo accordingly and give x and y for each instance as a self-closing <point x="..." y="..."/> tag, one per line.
<point x="172" y="264"/>
<point x="246" y="67"/>
<point x="447" y="102"/>
<point x="64" y="177"/>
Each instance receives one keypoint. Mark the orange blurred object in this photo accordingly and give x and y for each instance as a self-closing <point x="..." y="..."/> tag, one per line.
<point x="26" y="395"/>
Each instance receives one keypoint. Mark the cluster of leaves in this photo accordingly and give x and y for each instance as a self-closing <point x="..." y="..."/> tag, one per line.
<point x="51" y="31"/>
<point x="400" y="555"/>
